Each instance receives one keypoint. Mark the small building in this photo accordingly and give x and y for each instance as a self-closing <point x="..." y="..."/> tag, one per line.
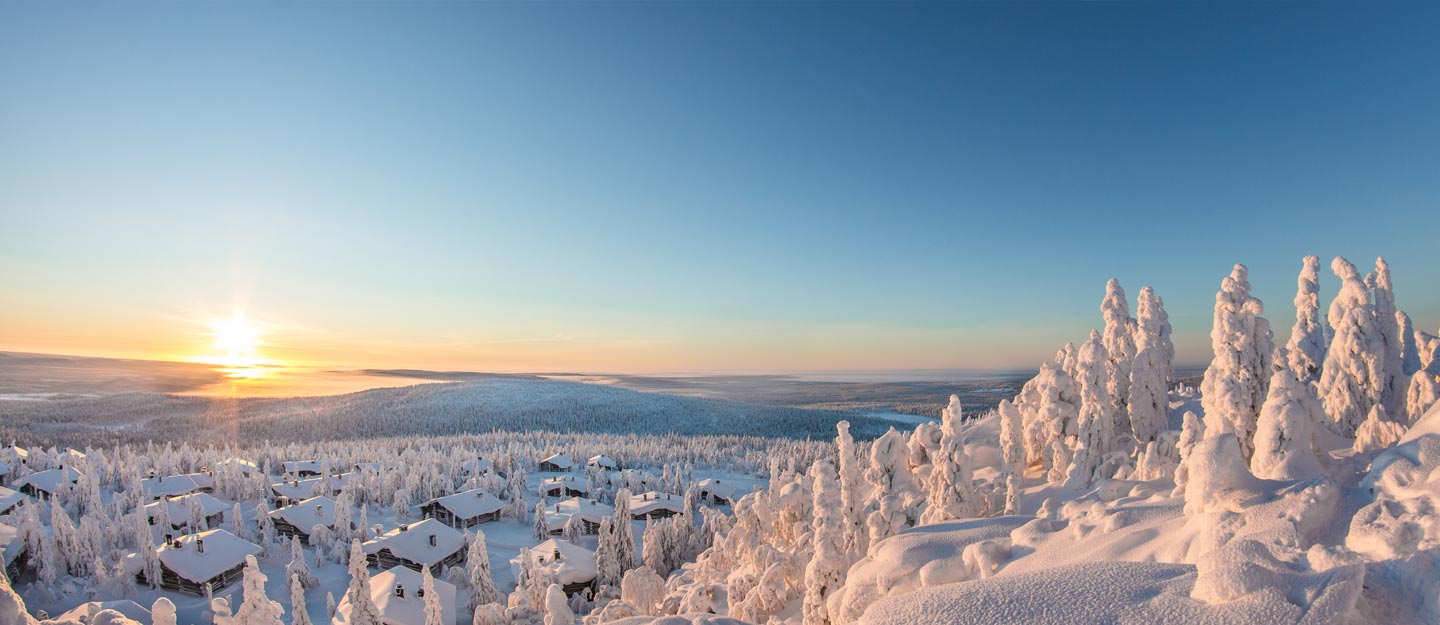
<point x="179" y="509"/>
<point x="427" y="543"/>
<point x="46" y="483"/>
<point x="213" y="558"/>
<point x="243" y="466"/>
<point x="558" y="463"/>
<point x="72" y="457"/>
<point x="464" y="509"/>
<point x="176" y="485"/>
<point x="564" y="486"/>
<point x="602" y="462"/>
<point x="715" y="493"/>
<point x="11" y="550"/>
<point x="293" y="490"/>
<point x="85" y="612"/>
<point x="398" y="595"/>
<point x="589" y="511"/>
<point x="655" y="505"/>
<point x="300" y="518"/>
<point x="302" y="468"/>
<point x="477" y="466"/>
<point x="568" y="564"/>
<point x="9" y="499"/>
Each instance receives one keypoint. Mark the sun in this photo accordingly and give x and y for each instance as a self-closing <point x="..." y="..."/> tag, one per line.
<point x="237" y="340"/>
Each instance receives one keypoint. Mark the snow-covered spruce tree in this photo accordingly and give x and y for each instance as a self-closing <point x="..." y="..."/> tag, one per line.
<point x="298" y="567"/>
<point x="1119" y="340"/>
<point x="477" y="569"/>
<point x="1096" y="434"/>
<point x="1012" y="437"/>
<point x="298" y="613"/>
<point x="853" y="493"/>
<point x="1392" y="385"/>
<point x="490" y="614"/>
<point x="1067" y="358"/>
<point x="541" y="531"/>
<point x="623" y="532"/>
<point x="1149" y="396"/>
<point x="256" y="608"/>
<point x="1284" y="436"/>
<point x="894" y="494"/>
<point x="644" y="589"/>
<point x="1192" y="430"/>
<point x="1409" y="347"/>
<point x="1238" y="377"/>
<point x="1055" y="415"/>
<point x="1425" y="383"/>
<point x="1351" y="379"/>
<point x="433" y="614"/>
<point x="557" y="609"/>
<point x="145" y="547"/>
<point x="1377" y="432"/>
<point x="951" y="490"/>
<point x="1152" y="320"/>
<point x="609" y="570"/>
<point x="826" y="572"/>
<point x="1307" y="345"/>
<point x="362" y="610"/>
<point x="162" y="612"/>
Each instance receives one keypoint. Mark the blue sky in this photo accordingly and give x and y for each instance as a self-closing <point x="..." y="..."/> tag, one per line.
<point x="690" y="186"/>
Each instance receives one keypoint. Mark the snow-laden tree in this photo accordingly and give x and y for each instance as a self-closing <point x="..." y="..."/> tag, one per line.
<point x="1284" y="436"/>
<point x="826" y="572"/>
<point x="1192" y="431"/>
<point x="541" y="531"/>
<point x="256" y="608"/>
<point x="609" y="570"/>
<point x="1424" y="388"/>
<point x="1149" y="386"/>
<point x="1067" y="358"/>
<point x="853" y="492"/>
<point x="1307" y="345"/>
<point x="298" y="567"/>
<point x="490" y="614"/>
<point x="1352" y="378"/>
<point x="623" y="532"/>
<point x="433" y="614"/>
<point x="895" y="495"/>
<point x="477" y="570"/>
<point x="1097" y="435"/>
<point x="951" y="491"/>
<point x="1409" y="344"/>
<point x="1377" y="432"/>
<point x="145" y="549"/>
<point x="362" y="610"/>
<point x="1119" y="341"/>
<point x="1236" y="382"/>
<point x="1012" y="437"/>
<point x="1051" y="409"/>
<point x="644" y="589"/>
<point x="1012" y="494"/>
<point x="298" y="613"/>
<point x="1392" y="385"/>
<point x="557" y="608"/>
<point x="162" y="612"/>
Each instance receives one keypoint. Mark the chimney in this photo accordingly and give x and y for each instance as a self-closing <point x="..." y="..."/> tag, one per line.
<point x="432" y="540"/>
<point x="319" y="509"/>
<point x="169" y="539"/>
<point x="200" y="545"/>
<point x="557" y="553"/>
<point x="420" y="593"/>
<point x="400" y="590"/>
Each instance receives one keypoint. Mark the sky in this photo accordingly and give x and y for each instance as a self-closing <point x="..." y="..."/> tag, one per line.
<point x="638" y="186"/>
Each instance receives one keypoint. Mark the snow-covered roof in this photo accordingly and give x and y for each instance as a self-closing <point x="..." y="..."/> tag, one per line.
<point x="295" y="466"/>
<point x="223" y="551"/>
<point x="470" y="503"/>
<point x="602" y="460"/>
<point x="165" y="486"/>
<point x="398" y="610"/>
<point x="10" y="544"/>
<point x="572" y="481"/>
<point x="9" y="498"/>
<point x="245" y="465"/>
<point x="180" y="506"/>
<point x="85" y="612"/>
<point x="716" y="487"/>
<point x="378" y="467"/>
<point x="560" y="460"/>
<point x="15" y="450"/>
<point x="576" y="564"/>
<point x="477" y="465"/>
<point x="307" y="514"/>
<point x="646" y="503"/>
<point x="303" y="489"/>
<point x="587" y="509"/>
<point x="49" y="481"/>
<point x="412" y="542"/>
<point x="72" y="455"/>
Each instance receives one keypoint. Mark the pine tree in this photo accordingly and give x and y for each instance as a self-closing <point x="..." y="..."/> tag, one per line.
<point x="1307" y="345"/>
<point x="433" y="613"/>
<point x="1149" y="396"/>
<point x="623" y="531"/>
<point x="162" y="612"/>
<point x="1393" y="381"/>
<point x="1238" y="377"/>
<point x="256" y="608"/>
<point x="362" y="609"/>
<point x="1119" y="341"/>
<point x="1352" y="377"/>
<point x="477" y="569"/>
<point x="542" y="524"/>
<point x="1096" y="434"/>
<point x="826" y="572"/>
<point x="299" y="615"/>
<point x="1284" y="438"/>
<point x="557" y="609"/>
<point x="852" y="493"/>
<point x="951" y="488"/>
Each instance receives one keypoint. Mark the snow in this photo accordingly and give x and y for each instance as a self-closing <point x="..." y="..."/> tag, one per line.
<point x="714" y="487"/>
<point x="50" y="480"/>
<point x="174" y="485"/>
<point x="413" y="542"/>
<point x="10" y="545"/>
<point x="398" y="610"/>
<point x="223" y="551"/>
<point x="85" y="612"/>
<point x="645" y="503"/>
<point x="562" y="461"/>
<point x="576" y="564"/>
<point x="587" y="509"/>
<point x="470" y="503"/>
<point x="179" y="507"/>
<point x="9" y="499"/>
<point x="602" y="461"/>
